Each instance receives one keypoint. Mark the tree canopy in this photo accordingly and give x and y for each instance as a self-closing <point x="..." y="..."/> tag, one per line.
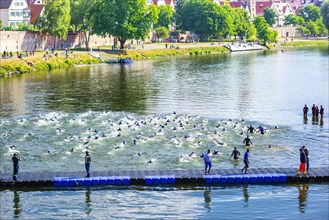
<point x="270" y="16"/>
<point x="241" y="22"/>
<point x="166" y="16"/>
<point x="81" y="18"/>
<point x="205" y="18"/>
<point x="325" y="13"/>
<point x="294" y="20"/>
<point x="263" y="31"/>
<point x="310" y="13"/>
<point x="161" y="32"/>
<point x="124" y="19"/>
<point x="178" y="8"/>
<point x="56" y="18"/>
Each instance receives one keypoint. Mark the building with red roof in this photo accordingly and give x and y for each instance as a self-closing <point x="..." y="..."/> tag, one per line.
<point x="36" y="8"/>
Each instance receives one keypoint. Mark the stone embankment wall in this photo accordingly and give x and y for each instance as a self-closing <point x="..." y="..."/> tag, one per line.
<point x="287" y="31"/>
<point x="30" y="40"/>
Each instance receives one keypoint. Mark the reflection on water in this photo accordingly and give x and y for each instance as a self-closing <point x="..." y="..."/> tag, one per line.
<point x="245" y="195"/>
<point x="198" y="202"/>
<point x="302" y="197"/>
<point x="207" y="198"/>
<point x="88" y="202"/>
<point x="17" y="207"/>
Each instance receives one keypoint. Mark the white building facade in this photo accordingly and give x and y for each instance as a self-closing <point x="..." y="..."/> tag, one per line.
<point x="14" y="12"/>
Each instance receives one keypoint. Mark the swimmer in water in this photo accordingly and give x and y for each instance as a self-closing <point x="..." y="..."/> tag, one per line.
<point x="247" y="141"/>
<point x="261" y="129"/>
<point x="235" y="153"/>
<point x="251" y="129"/>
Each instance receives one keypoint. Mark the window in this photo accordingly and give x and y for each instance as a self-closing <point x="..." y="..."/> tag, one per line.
<point x="17" y="13"/>
<point x="12" y="13"/>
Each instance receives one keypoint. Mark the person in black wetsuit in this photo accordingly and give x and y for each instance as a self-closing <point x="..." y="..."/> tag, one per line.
<point x="321" y="111"/>
<point x="251" y="129"/>
<point x="235" y="153"/>
<point x="15" y="160"/>
<point x="313" y="111"/>
<point x="305" y="110"/>
<point x="87" y="163"/>
<point x="247" y="141"/>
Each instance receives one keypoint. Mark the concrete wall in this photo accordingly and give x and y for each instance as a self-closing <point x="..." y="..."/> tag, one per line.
<point x="287" y="31"/>
<point x="28" y="40"/>
<point x="4" y="17"/>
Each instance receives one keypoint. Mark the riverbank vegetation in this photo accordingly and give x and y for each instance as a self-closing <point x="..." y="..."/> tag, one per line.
<point x="134" y="19"/>
<point x="306" y="43"/>
<point x="140" y="54"/>
<point x="16" y="66"/>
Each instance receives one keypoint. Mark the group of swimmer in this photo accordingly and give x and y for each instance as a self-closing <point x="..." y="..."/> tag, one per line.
<point x="207" y="156"/>
<point x="130" y="123"/>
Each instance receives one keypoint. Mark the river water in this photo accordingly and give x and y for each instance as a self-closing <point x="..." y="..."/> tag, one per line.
<point x="153" y="115"/>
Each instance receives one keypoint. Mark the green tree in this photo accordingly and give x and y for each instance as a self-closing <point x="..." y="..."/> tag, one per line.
<point x="166" y="16"/>
<point x="81" y="18"/>
<point x="241" y="22"/>
<point x="205" y="18"/>
<point x="270" y="16"/>
<point x="312" y="27"/>
<point x="161" y="32"/>
<point x="24" y="27"/>
<point x="300" y="20"/>
<point x="0" y="24"/>
<point x="325" y="13"/>
<point x="321" y="27"/>
<point x="178" y="8"/>
<point x="304" y="30"/>
<point x="310" y="13"/>
<point x="229" y="14"/>
<point x="124" y="19"/>
<point x="56" y="19"/>
<point x="290" y="19"/>
<point x="251" y="34"/>
<point x="264" y="33"/>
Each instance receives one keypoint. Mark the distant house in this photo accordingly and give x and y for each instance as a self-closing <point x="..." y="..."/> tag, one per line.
<point x="14" y="12"/>
<point x="296" y="5"/>
<point x="281" y="10"/>
<point x="164" y="2"/>
<point x="36" y="8"/>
